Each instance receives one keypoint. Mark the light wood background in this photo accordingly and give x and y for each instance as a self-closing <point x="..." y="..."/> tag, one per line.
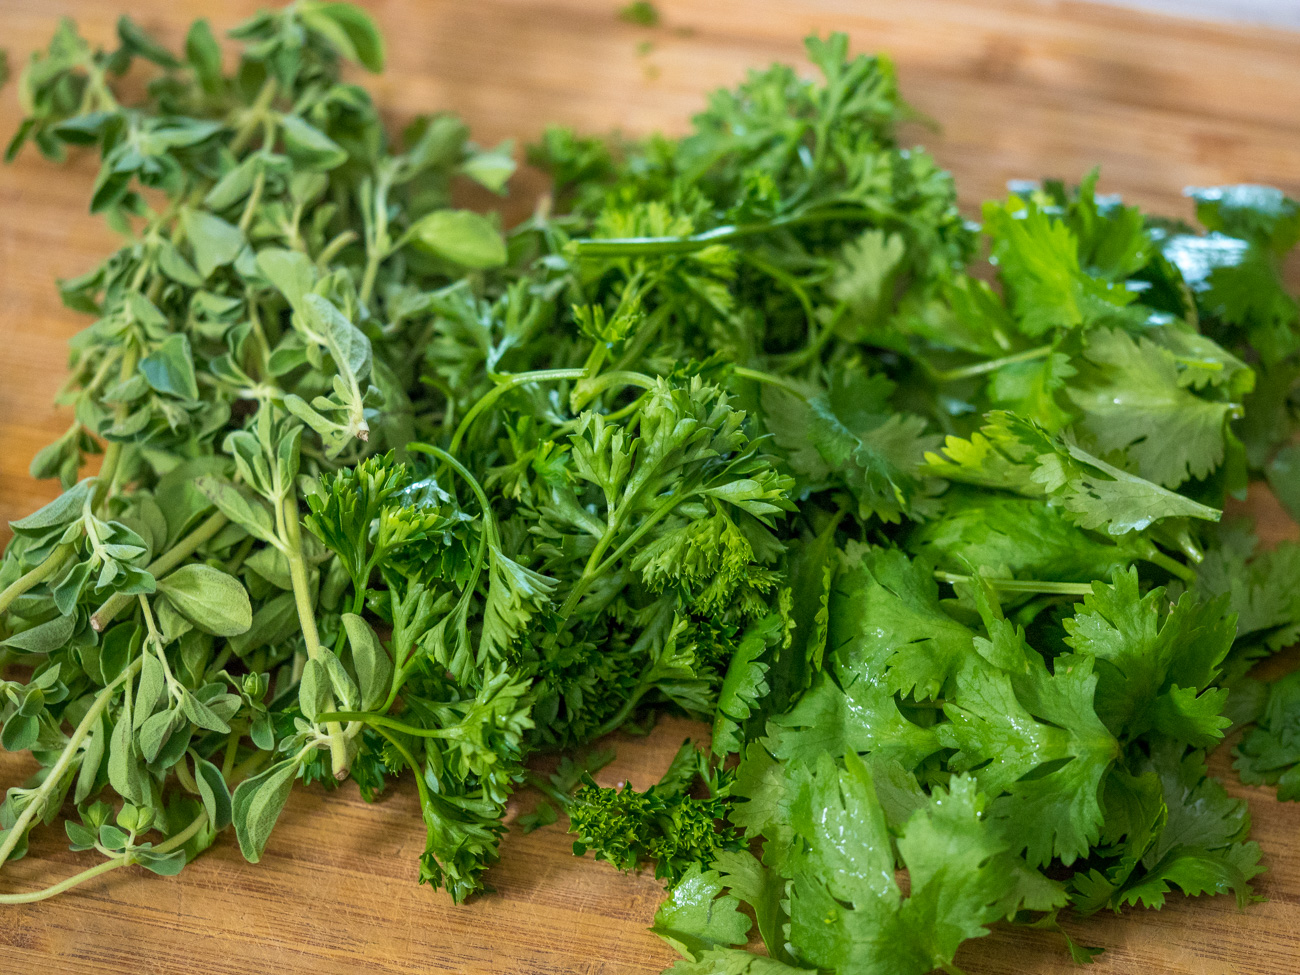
<point x="1021" y="89"/>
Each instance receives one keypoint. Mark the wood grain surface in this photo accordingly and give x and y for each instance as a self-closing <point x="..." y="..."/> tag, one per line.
<point x="1021" y="89"/>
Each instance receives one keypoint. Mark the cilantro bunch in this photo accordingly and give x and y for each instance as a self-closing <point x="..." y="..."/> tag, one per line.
<point x="923" y="516"/>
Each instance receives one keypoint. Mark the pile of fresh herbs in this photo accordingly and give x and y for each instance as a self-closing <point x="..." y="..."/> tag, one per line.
<point x="743" y="425"/>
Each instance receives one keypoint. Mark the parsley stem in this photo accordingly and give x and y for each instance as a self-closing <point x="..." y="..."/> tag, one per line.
<point x="377" y="721"/>
<point x="34" y="577"/>
<point x="160" y="566"/>
<point x="489" y="533"/>
<point x="421" y="786"/>
<point x="646" y="246"/>
<point x="543" y="786"/>
<point x="987" y="366"/>
<point x="1021" y="585"/>
<point x="589" y="573"/>
<point x="36" y="805"/>
<point x="622" y="714"/>
<point x="589" y="388"/>
<point x="503" y="387"/>
<point x="292" y="537"/>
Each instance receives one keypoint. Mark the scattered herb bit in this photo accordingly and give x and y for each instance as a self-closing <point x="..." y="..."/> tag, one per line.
<point x="643" y="13"/>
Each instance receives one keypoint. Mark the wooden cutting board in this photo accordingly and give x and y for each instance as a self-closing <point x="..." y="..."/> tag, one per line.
<point x="1021" y="89"/>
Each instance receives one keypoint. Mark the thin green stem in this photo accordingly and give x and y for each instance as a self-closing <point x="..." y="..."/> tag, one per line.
<point x="160" y="566"/>
<point x="167" y="846"/>
<point x="779" y="382"/>
<point x="588" y="389"/>
<point x="644" y="246"/>
<point x="113" y="452"/>
<point x="378" y="243"/>
<point x="1021" y="585"/>
<point x="184" y="836"/>
<point x="1170" y="565"/>
<point x="331" y="250"/>
<point x="256" y="113"/>
<point x="542" y="785"/>
<point x="36" y="805"/>
<point x="368" y="277"/>
<point x="814" y="348"/>
<point x="621" y="715"/>
<point x="990" y="365"/>
<point x="34" y="577"/>
<point x="184" y="777"/>
<point x="247" y="767"/>
<point x="291" y="535"/>
<point x="494" y="394"/>
<point x="589" y="573"/>
<point x="232" y="752"/>
<point x="421" y="786"/>
<point x="377" y="721"/>
<point x="75" y="880"/>
<point x="254" y="200"/>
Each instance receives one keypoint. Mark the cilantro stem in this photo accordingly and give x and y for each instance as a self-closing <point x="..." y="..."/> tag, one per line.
<point x="792" y="283"/>
<point x="988" y="365"/>
<point x="160" y="566"/>
<point x="49" y="784"/>
<point x="646" y="246"/>
<point x="34" y="577"/>
<point x="291" y="534"/>
<point x="814" y="348"/>
<point x="1022" y="585"/>
<point x="503" y="387"/>
<point x="766" y="377"/>
<point x="1173" y="566"/>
